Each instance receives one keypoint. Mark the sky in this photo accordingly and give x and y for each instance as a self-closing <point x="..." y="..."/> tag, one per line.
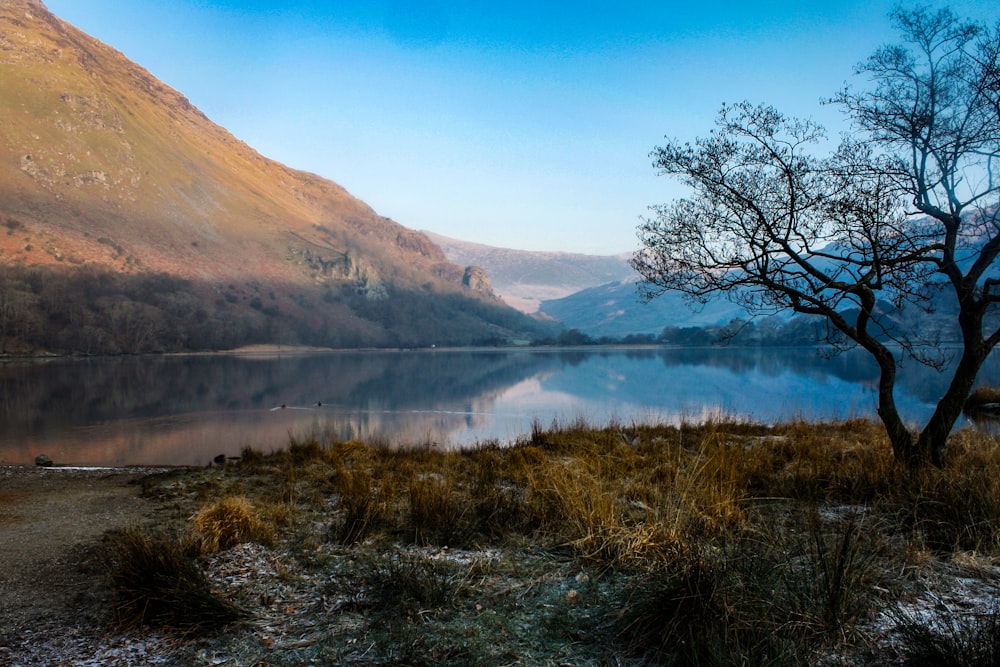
<point x="518" y="124"/>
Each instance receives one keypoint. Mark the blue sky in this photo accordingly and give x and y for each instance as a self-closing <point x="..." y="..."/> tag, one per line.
<point x="516" y="124"/>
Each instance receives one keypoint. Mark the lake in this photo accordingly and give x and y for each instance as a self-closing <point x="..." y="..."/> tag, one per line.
<point x="167" y="410"/>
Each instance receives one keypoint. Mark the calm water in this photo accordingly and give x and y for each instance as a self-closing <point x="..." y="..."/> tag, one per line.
<point x="186" y="410"/>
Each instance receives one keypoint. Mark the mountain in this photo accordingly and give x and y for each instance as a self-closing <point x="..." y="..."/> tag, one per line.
<point x="124" y="209"/>
<point x="526" y="278"/>
<point x="594" y="294"/>
<point x="615" y="310"/>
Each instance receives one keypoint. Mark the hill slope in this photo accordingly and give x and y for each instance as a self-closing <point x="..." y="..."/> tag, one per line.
<point x="524" y="278"/>
<point x="109" y="173"/>
<point x="615" y="310"/>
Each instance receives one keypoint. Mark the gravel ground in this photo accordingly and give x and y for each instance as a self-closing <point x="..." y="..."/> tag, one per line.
<point x="51" y="521"/>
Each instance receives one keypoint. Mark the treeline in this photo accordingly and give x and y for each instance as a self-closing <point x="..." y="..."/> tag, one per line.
<point x="95" y="312"/>
<point x="767" y="332"/>
<point x="771" y="331"/>
<point x="420" y="318"/>
<point x="935" y="323"/>
<point x="575" y="337"/>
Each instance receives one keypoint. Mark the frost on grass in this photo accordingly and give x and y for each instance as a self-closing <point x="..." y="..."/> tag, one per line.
<point x="798" y="543"/>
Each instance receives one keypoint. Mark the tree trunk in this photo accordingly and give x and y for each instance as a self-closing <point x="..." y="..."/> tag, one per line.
<point x="930" y="446"/>
<point x="899" y="436"/>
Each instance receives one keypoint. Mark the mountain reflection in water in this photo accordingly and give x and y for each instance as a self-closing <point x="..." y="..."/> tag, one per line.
<point x="188" y="409"/>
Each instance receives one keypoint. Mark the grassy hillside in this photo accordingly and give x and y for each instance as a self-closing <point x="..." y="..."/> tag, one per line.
<point x="106" y="170"/>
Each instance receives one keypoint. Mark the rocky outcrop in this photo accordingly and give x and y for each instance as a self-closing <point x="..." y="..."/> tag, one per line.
<point x="475" y="279"/>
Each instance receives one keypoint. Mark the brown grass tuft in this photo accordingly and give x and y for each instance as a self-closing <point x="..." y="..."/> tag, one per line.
<point x="157" y="583"/>
<point x="228" y="522"/>
<point x="982" y="396"/>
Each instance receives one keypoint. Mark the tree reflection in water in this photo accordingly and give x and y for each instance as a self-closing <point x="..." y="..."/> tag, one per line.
<point x="188" y="409"/>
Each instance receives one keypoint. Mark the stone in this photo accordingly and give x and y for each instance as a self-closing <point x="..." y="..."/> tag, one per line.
<point x="43" y="460"/>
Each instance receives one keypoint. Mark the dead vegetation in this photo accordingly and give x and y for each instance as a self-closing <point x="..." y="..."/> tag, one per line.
<point x="726" y="543"/>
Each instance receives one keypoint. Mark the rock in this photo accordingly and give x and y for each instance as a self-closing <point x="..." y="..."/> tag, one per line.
<point x="43" y="460"/>
<point x="477" y="280"/>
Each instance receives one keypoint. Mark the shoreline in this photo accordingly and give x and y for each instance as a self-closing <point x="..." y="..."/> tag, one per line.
<point x="270" y="350"/>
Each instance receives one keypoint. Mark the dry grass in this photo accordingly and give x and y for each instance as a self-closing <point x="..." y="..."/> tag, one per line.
<point x="721" y="543"/>
<point x="158" y="583"/>
<point x="617" y="497"/>
<point x="981" y="396"/>
<point x="950" y="641"/>
<point x="231" y="521"/>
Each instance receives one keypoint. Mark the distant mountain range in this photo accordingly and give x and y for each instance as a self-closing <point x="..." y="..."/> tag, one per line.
<point x="524" y="279"/>
<point x="595" y="294"/>
<point x="131" y="223"/>
<point x="615" y="310"/>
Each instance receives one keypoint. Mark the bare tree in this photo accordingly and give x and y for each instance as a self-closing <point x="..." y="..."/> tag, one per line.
<point x="904" y="214"/>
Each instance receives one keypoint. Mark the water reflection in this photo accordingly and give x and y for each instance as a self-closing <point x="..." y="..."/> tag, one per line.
<point x="185" y="410"/>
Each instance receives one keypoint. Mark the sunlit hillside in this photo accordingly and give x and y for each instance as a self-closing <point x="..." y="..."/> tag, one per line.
<point x="105" y="170"/>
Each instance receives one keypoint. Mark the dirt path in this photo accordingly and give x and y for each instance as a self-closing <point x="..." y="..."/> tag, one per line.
<point x="50" y="522"/>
